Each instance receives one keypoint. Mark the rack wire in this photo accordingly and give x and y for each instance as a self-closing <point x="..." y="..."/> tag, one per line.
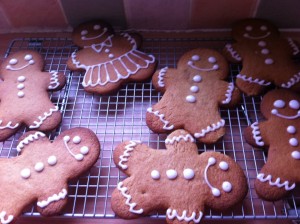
<point x="121" y="116"/>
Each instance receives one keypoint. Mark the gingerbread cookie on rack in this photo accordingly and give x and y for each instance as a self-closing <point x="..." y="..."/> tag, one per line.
<point x="24" y="98"/>
<point x="266" y="57"/>
<point x="41" y="172"/>
<point x="192" y="96"/>
<point x="107" y="59"/>
<point x="280" y="133"/>
<point x="176" y="180"/>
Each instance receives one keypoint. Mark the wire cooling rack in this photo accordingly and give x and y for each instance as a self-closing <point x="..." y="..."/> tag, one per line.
<point x="121" y="116"/>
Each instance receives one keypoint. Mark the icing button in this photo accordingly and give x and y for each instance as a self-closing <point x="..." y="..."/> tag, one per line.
<point x="197" y="78"/>
<point x="262" y="43"/>
<point x="295" y="154"/>
<point x="293" y="142"/>
<point x="171" y="174"/>
<point x="291" y="129"/>
<point x="194" y="89"/>
<point x="25" y="173"/>
<point x="111" y="56"/>
<point x="188" y="174"/>
<point x="155" y="174"/>
<point x="265" y="51"/>
<point x="20" y="86"/>
<point x="39" y="166"/>
<point x="269" y="61"/>
<point x="21" y="94"/>
<point x="52" y="160"/>
<point x="21" y="78"/>
<point x="190" y="99"/>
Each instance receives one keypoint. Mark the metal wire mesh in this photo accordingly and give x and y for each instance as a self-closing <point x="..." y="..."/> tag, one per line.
<point x="121" y="116"/>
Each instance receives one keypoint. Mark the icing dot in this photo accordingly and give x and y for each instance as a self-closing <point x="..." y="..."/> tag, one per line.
<point x="216" y="67"/>
<point x="216" y="192"/>
<point x="111" y="56"/>
<point x="21" y="78"/>
<point x="195" y="57"/>
<point x="84" y="32"/>
<point x="291" y="129"/>
<point x="39" y="166"/>
<point x="223" y="165"/>
<point x="20" y="86"/>
<point x="188" y="174"/>
<point x="25" y="173"/>
<point x="155" y="174"/>
<point x="84" y="150"/>
<point x="269" y="61"/>
<point x="13" y="61"/>
<point x="248" y="28"/>
<point x="197" y="78"/>
<point x="194" y="89"/>
<point x="294" y="104"/>
<point x="212" y="60"/>
<point x="21" y="94"/>
<point x="265" y="51"/>
<point x="279" y="103"/>
<point x="262" y="43"/>
<point x="97" y="27"/>
<point x="190" y="99"/>
<point x="31" y="62"/>
<point x="295" y="155"/>
<point x="293" y="142"/>
<point x="76" y="140"/>
<point x="226" y="186"/>
<point x="263" y="28"/>
<point x="211" y="161"/>
<point x="52" y="160"/>
<point x="274" y="111"/>
<point x="171" y="174"/>
<point x="28" y="57"/>
<point x="66" y="138"/>
<point x="79" y="157"/>
<point x="107" y="51"/>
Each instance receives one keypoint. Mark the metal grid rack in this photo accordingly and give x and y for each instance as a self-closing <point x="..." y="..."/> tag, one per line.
<point x="121" y="116"/>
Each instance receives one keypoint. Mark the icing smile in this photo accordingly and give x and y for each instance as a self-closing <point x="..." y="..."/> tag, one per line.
<point x="15" y="61"/>
<point x="293" y="104"/>
<point x="247" y="35"/>
<point x="211" y="60"/>
<point x="83" y="37"/>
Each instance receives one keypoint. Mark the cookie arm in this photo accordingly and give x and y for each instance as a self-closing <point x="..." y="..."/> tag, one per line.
<point x="162" y="78"/>
<point x="57" y="80"/>
<point x="232" y="54"/>
<point x="231" y="96"/>
<point x="256" y="135"/>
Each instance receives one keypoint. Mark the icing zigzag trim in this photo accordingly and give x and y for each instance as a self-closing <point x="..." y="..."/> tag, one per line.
<point x="251" y="80"/>
<point x="295" y="79"/>
<point x="256" y="134"/>
<point x="54" y="197"/>
<point x="161" y="75"/>
<point x="232" y="52"/>
<point x="161" y="117"/>
<point x="261" y="177"/>
<point x="53" y="80"/>
<point x="293" y="46"/>
<point x="210" y="128"/>
<point x="185" y="138"/>
<point x="41" y="119"/>
<point x="124" y="158"/>
<point x="172" y="213"/>
<point x="8" y="125"/>
<point x="228" y="93"/>
<point x="28" y="139"/>
<point x="5" y="221"/>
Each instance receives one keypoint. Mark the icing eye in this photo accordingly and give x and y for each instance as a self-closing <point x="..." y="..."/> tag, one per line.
<point x="294" y="104"/>
<point x="279" y="104"/>
<point x="263" y="28"/>
<point x="195" y="57"/>
<point x="28" y="57"/>
<point x="226" y="186"/>
<point x="97" y="27"/>
<point x="212" y="60"/>
<point x="84" y="32"/>
<point x="249" y="28"/>
<point x="155" y="174"/>
<point x="223" y="165"/>
<point x="13" y="61"/>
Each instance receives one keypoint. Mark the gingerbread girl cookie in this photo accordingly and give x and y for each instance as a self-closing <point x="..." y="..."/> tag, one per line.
<point x="40" y="174"/>
<point x="265" y="55"/>
<point x="177" y="180"/>
<point x="280" y="132"/>
<point x="108" y="59"/>
<point x="192" y="96"/>
<point x="23" y="94"/>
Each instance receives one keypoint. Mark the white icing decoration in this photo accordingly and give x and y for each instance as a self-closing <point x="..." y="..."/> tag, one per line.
<point x="9" y="67"/>
<point x="279" y="104"/>
<point x="194" y="89"/>
<point x="111" y="56"/>
<point x="84" y="150"/>
<point x="265" y="51"/>
<point x="39" y="166"/>
<point x="294" y="80"/>
<point x="37" y="124"/>
<point x="185" y="138"/>
<point x="13" y="61"/>
<point x="76" y="140"/>
<point x="212" y="60"/>
<point x="226" y="186"/>
<point x="210" y="128"/>
<point x="9" y="125"/>
<point x="263" y="28"/>
<point x="98" y="47"/>
<point x="291" y="129"/>
<point x="92" y="38"/>
<point x="293" y="142"/>
<point x="188" y="174"/>
<point x="21" y="94"/>
<point x="215" y="191"/>
<point x="97" y="27"/>
<point x="53" y="80"/>
<point x="21" y="78"/>
<point x="5" y="221"/>
<point x="228" y="94"/>
<point x="293" y="46"/>
<point x="295" y="155"/>
<point x="191" y="99"/>
<point x="171" y="174"/>
<point x="84" y="32"/>
<point x="276" y="113"/>
<point x="256" y="134"/>
<point x="30" y="138"/>
<point x="261" y="177"/>
<point x="247" y="35"/>
<point x="294" y="104"/>
<point x="107" y="51"/>
<point x="128" y="199"/>
<point x="269" y="61"/>
<point x="79" y="156"/>
<point x="262" y="43"/>
<point x="126" y="154"/>
<point x="172" y="213"/>
<point x="214" y="68"/>
<point x="155" y="174"/>
<point x="52" y="160"/>
<point x="224" y="165"/>
<point x="251" y="80"/>
<point x="195" y="57"/>
<point x="233" y="53"/>
<point x="55" y="197"/>
<point x="166" y="123"/>
<point x="161" y="75"/>
<point x="20" y="86"/>
<point x="25" y="173"/>
<point x="249" y="28"/>
<point x="28" y="57"/>
<point x="197" y="78"/>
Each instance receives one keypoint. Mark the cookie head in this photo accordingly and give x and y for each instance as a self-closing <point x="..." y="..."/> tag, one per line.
<point x="254" y="29"/>
<point x="93" y="32"/>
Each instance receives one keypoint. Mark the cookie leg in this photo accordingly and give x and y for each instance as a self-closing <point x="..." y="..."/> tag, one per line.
<point x="251" y="86"/>
<point x="7" y="128"/>
<point x="175" y="216"/>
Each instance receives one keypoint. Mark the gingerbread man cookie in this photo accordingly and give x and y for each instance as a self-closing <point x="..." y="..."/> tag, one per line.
<point x="192" y="96"/>
<point x="108" y="59"/>
<point x="23" y="94"/>
<point x="40" y="174"/>
<point x="280" y="132"/>
<point x="177" y="180"/>
<point x="265" y="55"/>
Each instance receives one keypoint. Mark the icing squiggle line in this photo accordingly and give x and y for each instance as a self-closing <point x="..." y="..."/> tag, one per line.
<point x="161" y="118"/>
<point x="228" y="93"/>
<point x="124" y="158"/>
<point x="128" y="198"/>
<point x="232" y="52"/>
<point x="261" y="177"/>
<point x="210" y="128"/>
<point x="8" y="125"/>
<point x="215" y="191"/>
<point x="185" y="138"/>
<point x="295" y="79"/>
<point x="258" y="37"/>
<point x="42" y="118"/>
<point x="293" y="46"/>
<point x="55" y="197"/>
<point x="249" y="79"/>
<point x="161" y="75"/>
<point x="98" y="47"/>
<point x="172" y="213"/>
<point x="6" y="221"/>
<point x="256" y="134"/>
<point x="53" y="80"/>
<point x="28" y="139"/>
